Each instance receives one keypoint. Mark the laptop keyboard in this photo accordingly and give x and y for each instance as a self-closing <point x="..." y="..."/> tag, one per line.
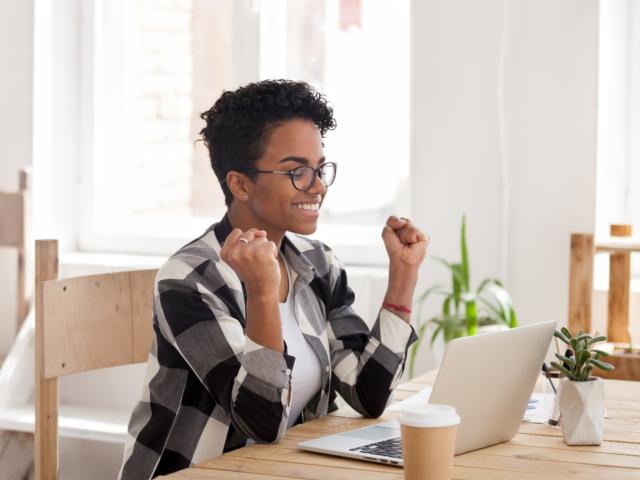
<point x="391" y="447"/>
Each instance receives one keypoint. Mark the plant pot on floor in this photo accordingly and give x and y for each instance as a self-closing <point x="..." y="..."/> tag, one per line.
<point x="582" y="411"/>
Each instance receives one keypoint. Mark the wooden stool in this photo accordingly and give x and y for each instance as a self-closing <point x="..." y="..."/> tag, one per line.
<point x="619" y="247"/>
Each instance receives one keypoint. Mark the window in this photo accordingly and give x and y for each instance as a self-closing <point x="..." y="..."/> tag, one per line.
<point x="618" y="199"/>
<point x="148" y="186"/>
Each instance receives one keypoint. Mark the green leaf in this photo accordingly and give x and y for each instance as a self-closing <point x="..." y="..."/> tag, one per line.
<point x="569" y="360"/>
<point x="513" y="319"/>
<point x="457" y="285"/>
<point x="583" y="356"/>
<point x="504" y="300"/>
<point x="419" y="304"/>
<point x="561" y="336"/>
<point x="440" y="260"/>
<point x="457" y="279"/>
<point x="486" y="282"/>
<point x="435" y="333"/>
<point x="602" y="365"/>
<point x="601" y="338"/>
<point x="472" y="317"/>
<point x="586" y="373"/>
<point x="564" y="371"/>
<point x="464" y="254"/>
<point x="458" y="332"/>
<point x="601" y="352"/>
<point x="574" y="344"/>
<point x="492" y="308"/>
<point x="484" y="320"/>
<point x="493" y="319"/>
<point x="565" y="331"/>
<point x="451" y="327"/>
<point x="415" y="347"/>
<point x="446" y="305"/>
<point x="454" y="268"/>
<point x="439" y="289"/>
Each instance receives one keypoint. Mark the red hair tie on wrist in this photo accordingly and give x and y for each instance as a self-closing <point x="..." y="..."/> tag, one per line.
<point x="397" y="308"/>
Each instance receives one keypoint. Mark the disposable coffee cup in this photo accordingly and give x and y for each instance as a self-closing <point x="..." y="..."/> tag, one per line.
<point x="428" y="441"/>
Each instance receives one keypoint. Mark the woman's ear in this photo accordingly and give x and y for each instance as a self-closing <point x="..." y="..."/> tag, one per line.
<point x="238" y="184"/>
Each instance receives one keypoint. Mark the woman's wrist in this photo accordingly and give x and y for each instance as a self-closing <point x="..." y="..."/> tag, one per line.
<point x="402" y="279"/>
<point x="402" y="285"/>
<point x="261" y="293"/>
<point x="263" y="324"/>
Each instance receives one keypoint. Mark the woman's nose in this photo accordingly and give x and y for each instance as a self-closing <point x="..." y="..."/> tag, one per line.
<point x="317" y="186"/>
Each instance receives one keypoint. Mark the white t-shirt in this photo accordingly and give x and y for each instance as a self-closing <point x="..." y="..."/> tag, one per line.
<point x="306" y="373"/>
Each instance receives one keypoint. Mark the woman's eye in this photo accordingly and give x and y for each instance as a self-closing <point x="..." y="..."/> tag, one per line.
<point x="297" y="173"/>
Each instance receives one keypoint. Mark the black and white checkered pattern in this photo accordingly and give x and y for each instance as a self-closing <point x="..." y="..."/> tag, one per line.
<point x="210" y="388"/>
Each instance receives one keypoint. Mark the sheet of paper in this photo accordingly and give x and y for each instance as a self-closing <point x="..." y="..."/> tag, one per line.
<point x="537" y="411"/>
<point x="539" y="408"/>
<point x="421" y="397"/>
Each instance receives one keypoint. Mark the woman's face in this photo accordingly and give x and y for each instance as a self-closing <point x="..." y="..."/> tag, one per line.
<point x="274" y="202"/>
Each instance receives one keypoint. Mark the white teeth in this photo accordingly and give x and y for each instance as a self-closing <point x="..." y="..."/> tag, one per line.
<point x="309" y="206"/>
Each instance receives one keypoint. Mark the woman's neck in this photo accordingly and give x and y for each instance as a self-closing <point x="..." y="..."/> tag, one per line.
<point x="243" y="219"/>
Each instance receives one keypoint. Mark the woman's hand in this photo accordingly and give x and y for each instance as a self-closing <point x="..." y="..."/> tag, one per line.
<point x="254" y="259"/>
<point x="406" y="244"/>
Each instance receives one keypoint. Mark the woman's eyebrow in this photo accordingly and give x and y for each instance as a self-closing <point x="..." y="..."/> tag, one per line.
<point x="301" y="160"/>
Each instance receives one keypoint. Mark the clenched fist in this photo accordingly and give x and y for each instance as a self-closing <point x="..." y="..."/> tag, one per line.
<point x="406" y="244"/>
<point x="254" y="259"/>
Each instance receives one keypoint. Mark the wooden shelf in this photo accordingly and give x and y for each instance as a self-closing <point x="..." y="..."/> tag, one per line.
<point x="73" y="422"/>
<point x="617" y="245"/>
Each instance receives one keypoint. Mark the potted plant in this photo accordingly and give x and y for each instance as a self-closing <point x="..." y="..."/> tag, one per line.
<point x="464" y="311"/>
<point x="581" y="396"/>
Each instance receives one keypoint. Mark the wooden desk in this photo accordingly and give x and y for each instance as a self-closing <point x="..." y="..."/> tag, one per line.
<point x="536" y="452"/>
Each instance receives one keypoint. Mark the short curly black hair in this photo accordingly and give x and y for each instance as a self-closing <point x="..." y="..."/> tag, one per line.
<point x="239" y="123"/>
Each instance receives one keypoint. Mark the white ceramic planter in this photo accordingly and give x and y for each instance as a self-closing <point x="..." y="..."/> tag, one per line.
<point x="582" y="411"/>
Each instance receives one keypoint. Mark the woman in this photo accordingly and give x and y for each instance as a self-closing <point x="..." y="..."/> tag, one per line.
<point x="254" y="330"/>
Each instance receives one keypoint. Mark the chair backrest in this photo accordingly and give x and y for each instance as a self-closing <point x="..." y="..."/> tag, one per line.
<point x="13" y="233"/>
<point x="82" y="324"/>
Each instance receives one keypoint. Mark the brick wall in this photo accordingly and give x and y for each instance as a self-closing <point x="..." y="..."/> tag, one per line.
<point x="160" y="61"/>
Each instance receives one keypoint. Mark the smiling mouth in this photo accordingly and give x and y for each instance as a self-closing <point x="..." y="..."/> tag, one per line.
<point x="309" y="207"/>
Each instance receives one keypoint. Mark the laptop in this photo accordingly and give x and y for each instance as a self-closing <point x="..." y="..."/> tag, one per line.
<point x="488" y="378"/>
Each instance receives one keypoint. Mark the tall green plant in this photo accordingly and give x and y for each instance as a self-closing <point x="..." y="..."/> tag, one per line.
<point x="463" y="309"/>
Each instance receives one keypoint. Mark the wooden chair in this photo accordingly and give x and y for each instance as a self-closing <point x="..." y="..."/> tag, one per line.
<point x="13" y="233"/>
<point x="82" y="324"/>
<point x="619" y="247"/>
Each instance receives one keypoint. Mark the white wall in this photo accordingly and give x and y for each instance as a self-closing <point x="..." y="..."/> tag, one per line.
<point x="553" y="105"/>
<point x="504" y="98"/>
<point x="16" y="129"/>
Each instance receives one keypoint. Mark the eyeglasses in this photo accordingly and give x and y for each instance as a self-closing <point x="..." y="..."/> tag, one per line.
<point x="303" y="178"/>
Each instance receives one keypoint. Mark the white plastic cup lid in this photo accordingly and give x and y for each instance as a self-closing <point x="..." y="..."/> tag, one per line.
<point x="429" y="416"/>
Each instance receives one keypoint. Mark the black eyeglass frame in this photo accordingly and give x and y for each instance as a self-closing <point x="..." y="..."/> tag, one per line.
<point x="291" y="174"/>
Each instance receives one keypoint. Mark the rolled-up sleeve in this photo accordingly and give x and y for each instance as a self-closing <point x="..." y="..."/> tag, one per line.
<point x="366" y="363"/>
<point x="249" y="381"/>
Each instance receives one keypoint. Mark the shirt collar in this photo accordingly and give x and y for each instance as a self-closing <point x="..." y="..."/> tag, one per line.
<point x="299" y="263"/>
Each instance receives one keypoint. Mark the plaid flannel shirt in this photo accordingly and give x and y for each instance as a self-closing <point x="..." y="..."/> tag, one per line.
<point x="209" y="388"/>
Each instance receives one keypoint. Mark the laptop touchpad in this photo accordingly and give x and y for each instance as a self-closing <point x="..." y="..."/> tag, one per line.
<point x="373" y="433"/>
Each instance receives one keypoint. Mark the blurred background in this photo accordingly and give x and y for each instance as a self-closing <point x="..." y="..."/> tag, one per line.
<point x="522" y="114"/>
